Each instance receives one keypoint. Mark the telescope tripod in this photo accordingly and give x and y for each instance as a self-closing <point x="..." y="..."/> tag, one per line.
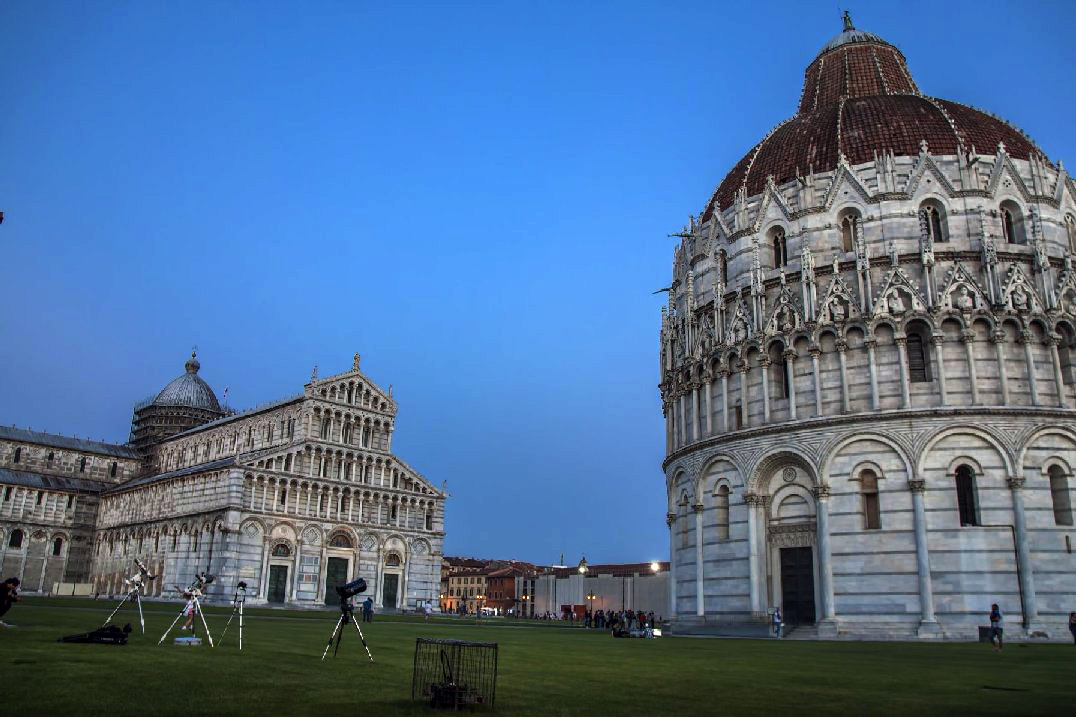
<point x="136" y="593"/>
<point x="197" y="608"/>
<point x="347" y="614"/>
<point x="237" y="608"/>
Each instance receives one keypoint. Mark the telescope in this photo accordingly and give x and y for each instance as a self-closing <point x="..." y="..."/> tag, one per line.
<point x="356" y="586"/>
<point x="347" y="614"/>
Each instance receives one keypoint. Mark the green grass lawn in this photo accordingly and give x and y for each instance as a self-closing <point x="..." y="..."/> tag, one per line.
<point x="543" y="670"/>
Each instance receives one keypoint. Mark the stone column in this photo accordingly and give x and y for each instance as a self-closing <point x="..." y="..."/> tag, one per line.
<point x="1023" y="552"/>
<point x="670" y="520"/>
<point x="764" y="367"/>
<point x="683" y="419"/>
<point x="828" y="626"/>
<point x="695" y="425"/>
<point x="751" y="502"/>
<point x="790" y="378"/>
<point x="968" y="337"/>
<point x="293" y="590"/>
<point x="998" y="338"/>
<point x="815" y="352"/>
<point x="846" y="405"/>
<point x="669" y="427"/>
<point x="1053" y="340"/>
<point x="725" y="400"/>
<point x="700" y="606"/>
<point x="709" y="386"/>
<point x="928" y="623"/>
<point x="743" y="397"/>
<point x="938" y="342"/>
<point x="1026" y="339"/>
<point x="263" y="578"/>
<point x="873" y="366"/>
<point x="902" y="360"/>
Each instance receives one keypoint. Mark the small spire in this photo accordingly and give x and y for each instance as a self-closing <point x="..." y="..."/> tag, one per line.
<point x="848" y="26"/>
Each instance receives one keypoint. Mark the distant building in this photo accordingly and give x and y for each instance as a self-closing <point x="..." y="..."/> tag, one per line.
<point x="294" y="498"/>
<point x="613" y="586"/>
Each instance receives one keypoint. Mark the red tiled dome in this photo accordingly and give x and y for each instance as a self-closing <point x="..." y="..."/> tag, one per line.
<point x="859" y="98"/>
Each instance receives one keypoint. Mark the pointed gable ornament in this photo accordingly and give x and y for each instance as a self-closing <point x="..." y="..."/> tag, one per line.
<point x="1019" y="295"/>
<point x="961" y="292"/>
<point x="839" y="303"/>
<point x="787" y="314"/>
<point x="899" y="295"/>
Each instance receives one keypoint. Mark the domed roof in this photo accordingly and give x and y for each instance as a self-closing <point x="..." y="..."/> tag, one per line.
<point x="189" y="390"/>
<point x="859" y="99"/>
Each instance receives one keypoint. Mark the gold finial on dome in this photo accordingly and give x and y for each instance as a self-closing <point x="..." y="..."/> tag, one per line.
<point x="848" y="26"/>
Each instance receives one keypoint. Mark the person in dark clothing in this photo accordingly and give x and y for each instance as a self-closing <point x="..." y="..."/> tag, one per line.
<point x="995" y="626"/>
<point x="368" y="610"/>
<point x="9" y="595"/>
<point x="1072" y="626"/>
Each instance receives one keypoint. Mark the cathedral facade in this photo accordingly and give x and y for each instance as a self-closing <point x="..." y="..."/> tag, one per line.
<point x="867" y="370"/>
<point x="293" y="498"/>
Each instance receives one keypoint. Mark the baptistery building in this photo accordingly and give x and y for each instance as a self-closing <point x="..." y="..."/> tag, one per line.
<point x="293" y="498"/>
<point x="867" y="370"/>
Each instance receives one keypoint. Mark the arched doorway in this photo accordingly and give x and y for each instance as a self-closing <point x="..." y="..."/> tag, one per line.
<point x="785" y="539"/>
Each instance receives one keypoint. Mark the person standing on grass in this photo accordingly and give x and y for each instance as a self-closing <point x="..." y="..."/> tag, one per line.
<point x="1072" y="626"/>
<point x="368" y="610"/>
<point x="995" y="626"/>
<point x="9" y="595"/>
<point x="777" y="622"/>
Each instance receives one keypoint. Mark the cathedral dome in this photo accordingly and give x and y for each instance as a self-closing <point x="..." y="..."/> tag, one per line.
<point x="859" y="99"/>
<point x="189" y="390"/>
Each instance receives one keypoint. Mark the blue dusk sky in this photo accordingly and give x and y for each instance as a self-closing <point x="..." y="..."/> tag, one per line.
<point x="475" y="196"/>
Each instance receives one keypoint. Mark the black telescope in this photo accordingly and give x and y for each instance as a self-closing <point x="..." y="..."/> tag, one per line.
<point x="356" y="586"/>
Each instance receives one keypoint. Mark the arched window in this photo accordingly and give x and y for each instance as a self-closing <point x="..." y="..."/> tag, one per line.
<point x="281" y="551"/>
<point x="40" y="497"/>
<point x="737" y="416"/>
<point x="918" y="358"/>
<point x="1012" y="223"/>
<point x="325" y="422"/>
<point x="291" y="427"/>
<point x="15" y="539"/>
<point x="721" y="503"/>
<point x="82" y="465"/>
<point x="965" y="496"/>
<point x="283" y="496"/>
<point x="112" y="469"/>
<point x="1064" y="354"/>
<point x="392" y="561"/>
<point x="872" y="514"/>
<point x="339" y="541"/>
<point x="1059" y="492"/>
<point x="429" y="521"/>
<point x="849" y="229"/>
<point x="723" y="260"/>
<point x="51" y="457"/>
<point x="57" y="546"/>
<point x="778" y="372"/>
<point x="18" y="455"/>
<point x="780" y="248"/>
<point x="346" y="434"/>
<point x="934" y="221"/>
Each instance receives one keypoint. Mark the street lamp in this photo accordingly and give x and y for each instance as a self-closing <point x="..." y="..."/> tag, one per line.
<point x="654" y="567"/>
